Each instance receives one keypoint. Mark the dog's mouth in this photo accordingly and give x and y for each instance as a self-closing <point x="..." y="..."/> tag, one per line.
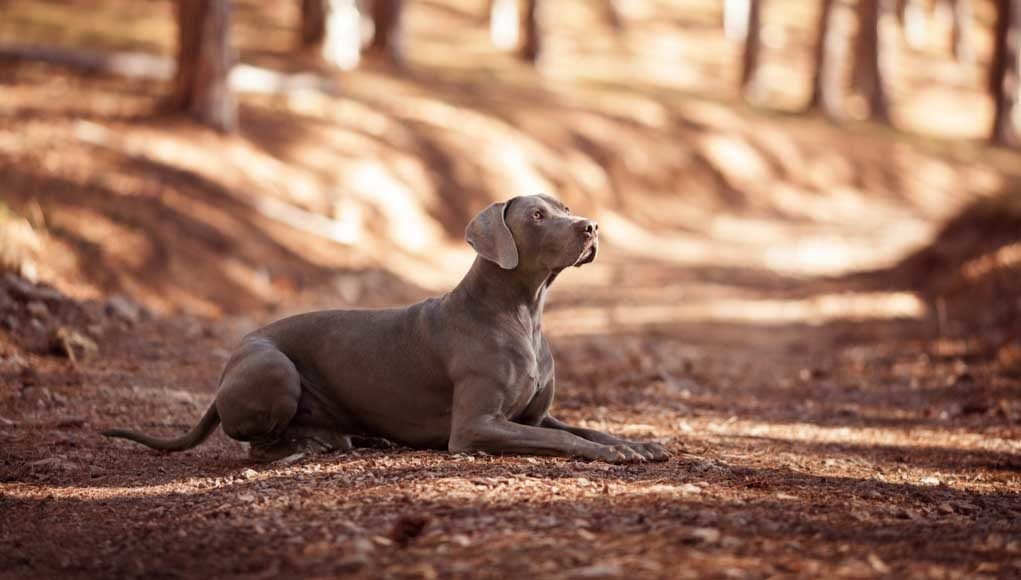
<point x="588" y="255"/>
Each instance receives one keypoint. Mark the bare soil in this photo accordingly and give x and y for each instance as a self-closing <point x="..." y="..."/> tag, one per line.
<point x="843" y="449"/>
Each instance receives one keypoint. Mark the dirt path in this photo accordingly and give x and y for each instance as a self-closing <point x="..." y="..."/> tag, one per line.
<point x="801" y="447"/>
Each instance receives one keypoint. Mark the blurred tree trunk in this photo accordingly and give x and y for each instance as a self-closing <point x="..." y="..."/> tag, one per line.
<point x="313" y="21"/>
<point x="830" y="53"/>
<point x="961" y="29"/>
<point x="869" y="73"/>
<point x="613" y="15"/>
<point x="530" y="49"/>
<point x="332" y="30"/>
<point x="388" y="39"/>
<point x="1005" y="74"/>
<point x="204" y="61"/>
<point x="752" y="49"/>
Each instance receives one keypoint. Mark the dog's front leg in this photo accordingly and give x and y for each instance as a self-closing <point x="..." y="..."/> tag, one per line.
<point x="478" y="423"/>
<point x="651" y="451"/>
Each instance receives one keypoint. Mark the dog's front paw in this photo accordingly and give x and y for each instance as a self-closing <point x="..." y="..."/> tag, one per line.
<point x="651" y="451"/>
<point x="618" y="454"/>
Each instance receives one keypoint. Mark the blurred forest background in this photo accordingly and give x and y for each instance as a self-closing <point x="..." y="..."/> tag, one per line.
<point x="810" y="283"/>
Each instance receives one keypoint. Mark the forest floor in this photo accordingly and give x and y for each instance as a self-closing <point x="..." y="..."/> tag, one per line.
<point x="837" y="377"/>
<point x="850" y="449"/>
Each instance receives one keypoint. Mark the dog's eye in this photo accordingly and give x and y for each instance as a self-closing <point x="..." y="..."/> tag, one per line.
<point x="567" y="210"/>
<point x="537" y="215"/>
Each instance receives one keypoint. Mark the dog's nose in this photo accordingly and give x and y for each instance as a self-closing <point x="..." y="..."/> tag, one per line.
<point x="589" y="228"/>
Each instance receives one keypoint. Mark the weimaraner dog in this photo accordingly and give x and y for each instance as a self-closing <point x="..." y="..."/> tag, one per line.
<point x="468" y="371"/>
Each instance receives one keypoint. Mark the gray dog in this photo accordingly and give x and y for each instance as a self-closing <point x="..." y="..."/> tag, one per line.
<point x="468" y="371"/>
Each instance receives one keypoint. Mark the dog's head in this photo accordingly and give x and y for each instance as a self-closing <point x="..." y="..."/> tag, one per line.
<point x="533" y="232"/>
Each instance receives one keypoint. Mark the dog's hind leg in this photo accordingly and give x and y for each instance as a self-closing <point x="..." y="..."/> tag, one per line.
<point x="258" y="395"/>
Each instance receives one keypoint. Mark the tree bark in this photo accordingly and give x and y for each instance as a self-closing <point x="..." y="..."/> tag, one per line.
<point x="204" y="61"/>
<point x="870" y="77"/>
<point x="388" y="39"/>
<point x="332" y="30"/>
<point x="530" y="49"/>
<point x="313" y="22"/>
<point x="961" y="31"/>
<point x="830" y="52"/>
<point x="752" y="49"/>
<point x="613" y="15"/>
<point x="1005" y="74"/>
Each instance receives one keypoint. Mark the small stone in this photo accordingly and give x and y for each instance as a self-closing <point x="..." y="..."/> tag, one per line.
<point x="931" y="480"/>
<point x="26" y="290"/>
<point x="249" y="473"/>
<point x="123" y="308"/>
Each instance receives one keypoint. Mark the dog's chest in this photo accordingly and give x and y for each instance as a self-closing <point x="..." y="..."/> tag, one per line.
<point x="536" y="371"/>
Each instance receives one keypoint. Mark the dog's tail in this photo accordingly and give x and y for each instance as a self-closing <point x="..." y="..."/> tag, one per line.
<point x="206" y="425"/>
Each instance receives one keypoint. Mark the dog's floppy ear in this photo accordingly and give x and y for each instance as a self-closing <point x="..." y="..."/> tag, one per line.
<point x="492" y="239"/>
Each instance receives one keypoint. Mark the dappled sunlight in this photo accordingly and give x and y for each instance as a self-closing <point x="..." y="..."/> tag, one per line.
<point x="389" y="168"/>
<point x="905" y="439"/>
<point x="572" y="321"/>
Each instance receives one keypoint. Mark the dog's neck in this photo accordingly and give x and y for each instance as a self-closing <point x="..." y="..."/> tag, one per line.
<point x="486" y="283"/>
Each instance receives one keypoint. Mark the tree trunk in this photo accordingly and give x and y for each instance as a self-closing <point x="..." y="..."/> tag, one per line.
<point x="530" y="49"/>
<point x="830" y="52"/>
<point x="332" y="30"/>
<point x="1005" y="74"/>
<point x="870" y="77"/>
<point x="752" y="49"/>
<point x="961" y="36"/>
<point x="388" y="39"/>
<point x="204" y="60"/>
<point x="313" y="22"/>
<point x="613" y="15"/>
